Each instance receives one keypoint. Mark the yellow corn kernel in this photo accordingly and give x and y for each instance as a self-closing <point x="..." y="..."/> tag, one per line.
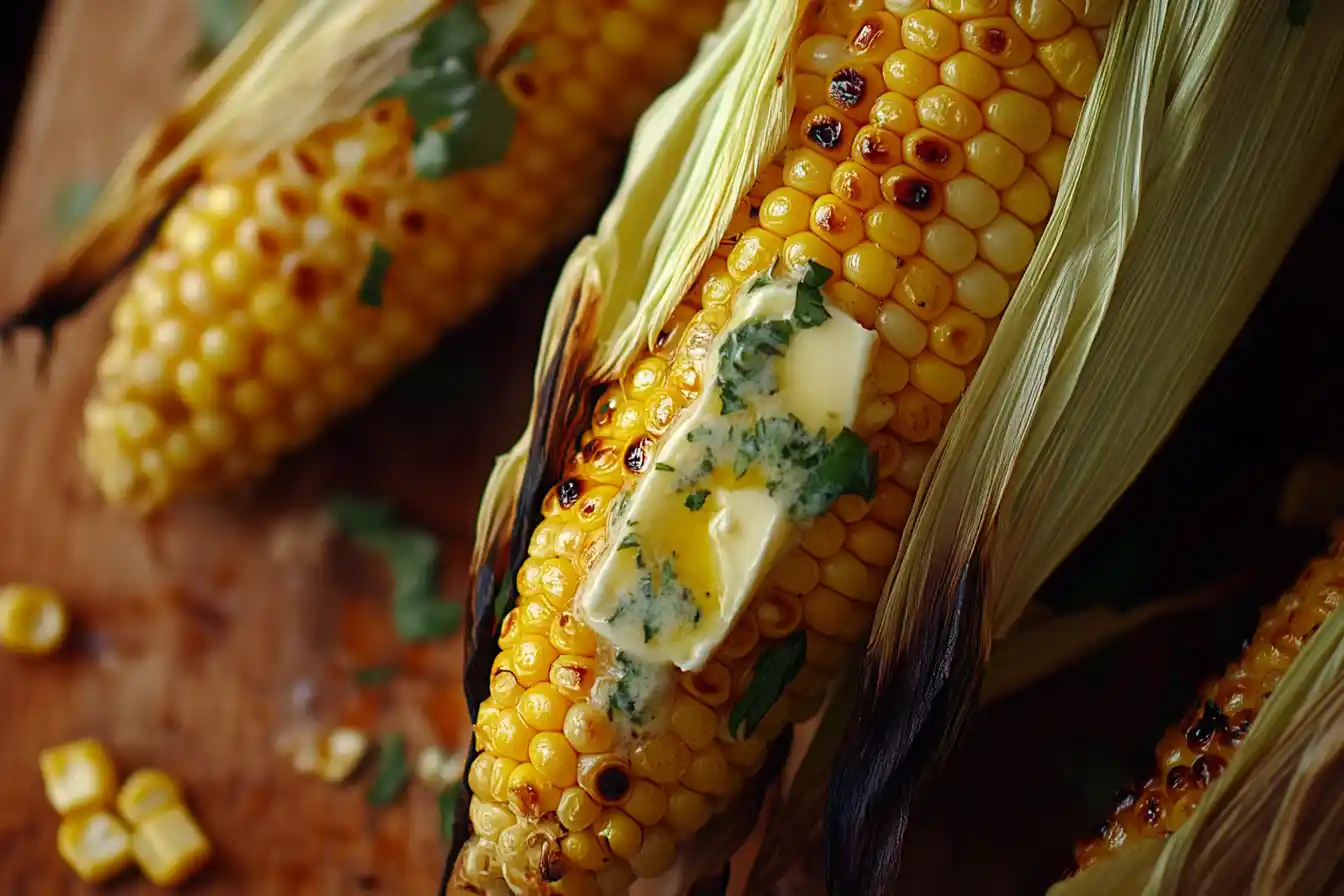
<point x="687" y="811"/>
<point x="876" y="149"/>
<point x="478" y="776"/>
<point x="553" y="756"/>
<point x="961" y="10"/>
<point x="489" y="820"/>
<point x="588" y="729"/>
<point x="657" y="852"/>
<point x="1042" y="19"/>
<point x="1065" y="110"/>
<point x="802" y="248"/>
<point x="834" y="615"/>
<point x="828" y="132"/>
<point x="918" y="417"/>
<point x="573" y="676"/>
<point x="569" y="634"/>
<point x="912" y="192"/>
<point x="890" y="374"/>
<point x="543" y="707"/>
<point x="857" y="303"/>
<point x="33" y="619"/>
<point x="1007" y="244"/>
<point x="894" y="113"/>
<point x="1029" y="198"/>
<point x="510" y="735"/>
<point x="533" y="655"/>
<point x="78" y="775"/>
<point x="754" y="253"/>
<point x="909" y="74"/>
<point x="582" y="848"/>
<point x="994" y="159"/>
<point x="500" y="771"/>
<point x="170" y="847"/>
<point x="1031" y="79"/>
<point x="853" y="89"/>
<point x="1093" y="13"/>
<point x="950" y="113"/>
<point x="807" y="171"/>
<point x="661" y="758"/>
<point x="505" y="689"/>
<point x="901" y="330"/>
<point x="786" y="211"/>
<point x="871" y="269"/>
<point x="844" y="572"/>
<point x="874" y="37"/>
<point x="948" y="245"/>
<point x="145" y="793"/>
<point x="982" y="290"/>
<point x="856" y="185"/>
<point x="95" y="844"/>
<point x="809" y="91"/>
<point x="997" y="40"/>
<point x="930" y="34"/>
<point x="957" y="336"/>
<point x="821" y="53"/>
<point x="648" y="802"/>
<point x="530" y="794"/>
<point x="936" y="378"/>
<point x="835" y="222"/>
<point x="1071" y="60"/>
<point x="971" y="201"/>
<point x="1049" y="160"/>
<point x="618" y="833"/>
<point x="1023" y="120"/>
<point x="577" y="883"/>
<point x="933" y="154"/>
<point x="893" y="503"/>
<point x="707" y="772"/>
<point x="577" y="810"/>
<point x="970" y="75"/>
<point x="922" y="289"/>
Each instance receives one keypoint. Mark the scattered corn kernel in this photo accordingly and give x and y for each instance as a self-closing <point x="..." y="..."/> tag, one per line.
<point x="439" y="769"/>
<point x="96" y="845"/>
<point x="170" y="847"/>
<point x="32" y="619"/>
<point x="78" y="775"/>
<point x="145" y="793"/>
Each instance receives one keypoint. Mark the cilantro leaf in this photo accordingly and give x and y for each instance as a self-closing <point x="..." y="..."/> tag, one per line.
<point x="849" y="468"/>
<point x="696" y="499"/>
<point x="73" y="204"/>
<point x="745" y="361"/>
<point x="628" y="542"/>
<point x="375" y="276"/>
<point x="372" y="676"/>
<point x="393" y="774"/>
<point x="458" y="32"/>
<point x="447" y="812"/>
<point x="482" y="129"/>
<point x="778" y="665"/>
<point x="809" y="307"/>
<point x="430" y="156"/>
<point x="1298" y="10"/>
<point x="666" y="468"/>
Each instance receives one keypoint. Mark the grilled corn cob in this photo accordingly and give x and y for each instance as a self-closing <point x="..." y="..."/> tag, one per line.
<point x="925" y="148"/>
<point x="242" y="331"/>
<point x="1196" y="751"/>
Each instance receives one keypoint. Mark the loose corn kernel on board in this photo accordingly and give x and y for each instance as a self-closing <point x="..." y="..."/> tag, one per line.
<point x="192" y="633"/>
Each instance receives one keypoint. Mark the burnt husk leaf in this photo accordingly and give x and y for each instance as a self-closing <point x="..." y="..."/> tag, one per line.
<point x="903" y="728"/>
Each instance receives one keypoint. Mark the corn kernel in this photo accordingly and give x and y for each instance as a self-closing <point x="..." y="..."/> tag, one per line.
<point x="577" y="810"/>
<point x="145" y="793"/>
<point x="809" y="91"/>
<point x="754" y="253"/>
<point x="33" y="619"/>
<point x="933" y="155"/>
<point x="856" y="185"/>
<point x="1065" y="110"/>
<point x="554" y="757"/>
<point x="170" y="847"/>
<point x="1093" y="13"/>
<point x="894" y="113"/>
<point x="802" y="248"/>
<point x="874" y="37"/>
<point x="971" y="201"/>
<point x="998" y="40"/>
<point x="821" y="53"/>
<point x="1031" y="79"/>
<point x="786" y="211"/>
<point x="930" y="34"/>
<point x="1049" y="161"/>
<point x="583" y="850"/>
<point x="836" y="223"/>
<point x="1072" y="61"/>
<point x="950" y="113"/>
<point x="78" y="775"/>
<point x="1042" y="19"/>
<point x="909" y="74"/>
<point x="828" y="132"/>
<point x="1029" y="198"/>
<point x="922" y="289"/>
<point x="657" y="852"/>
<point x="96" y="845"/>
<point x="1022" y="119"/>
<point x="949" y="245"/>
<point x="892" y="230"/>
<point x="543" y="707"/>
<point x="648" y="801"/>
<point x="901" y="330"/>
<point x="957" y="336"/>
<point x="1007" y="244"/>
<point x="853" y="89"/>
<point x="936" y="378"/>
<point x="618" y="833"/>
<point x="807" y="171"/>
<point x="858" y="304"/>
<point x="918" y="417"/>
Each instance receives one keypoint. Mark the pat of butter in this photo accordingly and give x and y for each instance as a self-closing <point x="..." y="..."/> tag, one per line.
<point x="678" y="574"/>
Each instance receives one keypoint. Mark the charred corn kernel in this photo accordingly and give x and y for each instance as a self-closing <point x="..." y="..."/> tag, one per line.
<point x="1023" y="120"/>
<point x="1196" y="751"/>
<point x="1042" y="19"/>
<point x="1007" y="244"/>
<point x="1049" y="160"/>
<point x="170" y="847"/>
<point x="948" y="244"/>
<point x="247" y="304"/>
<point x="577" y="810"/>
<point x="1071" y="60"/>
<point x="930" y="34"/>
<point x="145" y="793"/>
<point x="32" y="619"/>
<point x="894" y="112"/>
<point x="439" y="769"/>
<point x="78" y="775"/>
<point x="970" y="75"/>
<point x="972" y="202"/>
<point x="1031" y="79"/>
<point x="530" y="794"/>
<point x="95" y="844"/>
<point x="909" y="192"/>
<point x="554" y="757"/>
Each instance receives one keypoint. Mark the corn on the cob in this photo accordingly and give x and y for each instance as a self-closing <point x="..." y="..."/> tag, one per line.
<point x="924" y="152"/>
<point x="1197" y="750"/>
<point x="242" y="333"/>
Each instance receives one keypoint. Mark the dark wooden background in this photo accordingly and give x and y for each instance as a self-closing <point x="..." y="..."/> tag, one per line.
<point x="205" y="632"/>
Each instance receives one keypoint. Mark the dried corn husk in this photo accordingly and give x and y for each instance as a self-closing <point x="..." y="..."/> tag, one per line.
<point x="296" y="65"/>
<point x="1147" y="270"/>
<point x="1271" y="825"/>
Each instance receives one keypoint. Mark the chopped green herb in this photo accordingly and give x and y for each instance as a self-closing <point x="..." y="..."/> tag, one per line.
<point x="815" y="275"/>
<point x="73" y="204"/>
<point x="699" y="432"/>
<point x="758" y="282"/>
<point x="375" y="276"/>
<point x="412" y="557"/>
<point x="458" y="32"/>
<point x="219" y="22"/>
<point x="778" y="665"/>
<point x="447" y="812"/>
<point x="526" y="53"/>
<point x="666" y="468"/>
<point x="393" y="771"/>
<point x="696" y="499"/>
<point x="849" y="468"/>
<point x="1298" y="10"/>
<point x="372" y="676"/>
<point x="628" y="542"/>
<point x="745" y="368"/>
<point x="650" y="631"/>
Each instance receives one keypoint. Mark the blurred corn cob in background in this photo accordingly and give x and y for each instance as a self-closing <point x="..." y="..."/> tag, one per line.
<point x="1195" y="753"/>
<point x="284" y="290"/>
<point x="922" y="154"/>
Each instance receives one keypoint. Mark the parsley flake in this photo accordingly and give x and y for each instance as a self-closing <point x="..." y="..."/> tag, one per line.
<point x="696" y="499"/>
<point x="778" y="665"/>
<point x="375" y="276"/>
<point x="809" y="307"/>
<point x="745" y="361"/>
<point x="393" y="771"/>
<point x="666" y="468"/>
<point x="628" y="542"/>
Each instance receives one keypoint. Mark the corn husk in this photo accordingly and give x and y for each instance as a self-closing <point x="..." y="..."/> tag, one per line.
<point x="296" y="65"/>
<point x="1272" y="824"/>
<point x="1149" y="267"/>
